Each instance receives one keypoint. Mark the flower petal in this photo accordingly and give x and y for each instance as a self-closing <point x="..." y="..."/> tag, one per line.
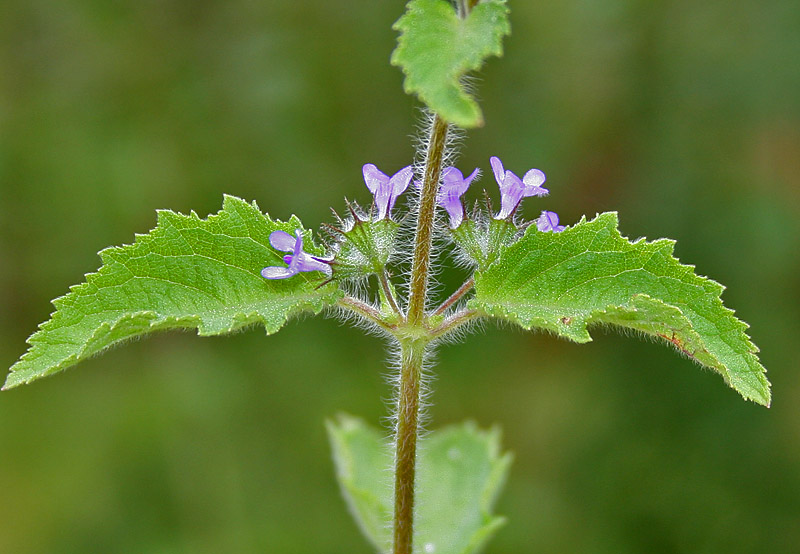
<point x="472" y="176"/>
<point x="400" y="180"/>
<point x="452" y="179"/>
<point x="310" y="263"/>
<point x="374" y="177"/>
<point x="297" y="251"/>
<point x="534" y="178"/>
<point x="273" y="272"/>
<point x="511" y="194"/>
<point x="283" y="241"/>
<point x="451" y="201"/>
<point x="497" y="168"/>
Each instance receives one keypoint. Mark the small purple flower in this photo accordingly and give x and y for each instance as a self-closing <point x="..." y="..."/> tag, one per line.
<point x="297" y="261"/>
<point x="548" y="221"/>
<point x="513" y="189"/>
<point x="453" y="186"/>
<point x="386" y="189"/>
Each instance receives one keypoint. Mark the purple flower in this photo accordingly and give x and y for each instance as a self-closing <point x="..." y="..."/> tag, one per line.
<point x="386" y="189"/>
<point x="513" y="189"/>
<point x="453" y="186"/>
<point x="548" y="221"/>
<point x="297" y="261"/>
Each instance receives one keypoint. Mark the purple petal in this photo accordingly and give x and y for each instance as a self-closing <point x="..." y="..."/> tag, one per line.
<point x="385" y="189"/>
<point x="511" y="193"/>
<point x="374" y="177"/>
<point x="453" y="186"/>
<point x="548" y="221"/>
<point x="450" y="200"/>
<point x="398" y="184"/>
<point x="310" y="263"/>
<point x="283" y="241"/>
<point x="452" y="179"/>
<point x="451" y="175"/>
<point x="383" y="197"/>
<point x="472" y="176"/>
<point x="534" y="178"/>
<point x="273" y="272"/>
<point x="297" y="261"/>
<point x="400" y="180"/>
<point x="497" y="168"/>
<point x="297" y="251"/>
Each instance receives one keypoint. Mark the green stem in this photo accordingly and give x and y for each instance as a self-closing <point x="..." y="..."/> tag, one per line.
<point x="412" y="353"/>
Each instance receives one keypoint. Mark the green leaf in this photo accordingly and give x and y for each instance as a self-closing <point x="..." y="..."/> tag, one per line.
<point x="460" y="471"/>
<point x="187" y="273"/>
<point x="436" y="48"/>
<point x="590" y="274"/>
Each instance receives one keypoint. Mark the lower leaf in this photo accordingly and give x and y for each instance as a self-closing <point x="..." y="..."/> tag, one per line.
<point x="460" y="471"/>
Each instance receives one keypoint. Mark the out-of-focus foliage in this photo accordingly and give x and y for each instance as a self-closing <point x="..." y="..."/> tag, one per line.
<point x="461" y="472"/>
<point x="682" y="116"/>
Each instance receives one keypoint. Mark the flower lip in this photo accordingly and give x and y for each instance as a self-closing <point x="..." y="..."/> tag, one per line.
<point x="386" y="189"/>
<point x="297" y="260"/>
<point x="513" y="189"/>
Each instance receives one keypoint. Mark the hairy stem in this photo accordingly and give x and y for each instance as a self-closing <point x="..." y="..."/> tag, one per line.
<point x="412" y="350"/>
<point x="412" y="353"/>
<point x="420" y="266"/>
<point x="453" y="322"/>
<point x="364" y="310"/>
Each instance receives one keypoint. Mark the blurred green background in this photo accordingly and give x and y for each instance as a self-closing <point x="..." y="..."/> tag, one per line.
<point x="683" y="116"/>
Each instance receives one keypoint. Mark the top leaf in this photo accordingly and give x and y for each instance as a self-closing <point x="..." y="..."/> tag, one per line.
<point x="186" y="273"/>
<point x="591" y="274"/>
<point x="436" y="48"/>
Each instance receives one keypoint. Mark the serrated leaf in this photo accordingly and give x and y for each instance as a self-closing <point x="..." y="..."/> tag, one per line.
<point x="591" y="274"/>
<point x="436" y="48"/>
<point x="460" y="471"/>
<point x="187" y="273"/>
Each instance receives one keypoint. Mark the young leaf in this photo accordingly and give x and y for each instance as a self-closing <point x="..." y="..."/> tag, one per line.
<point x="186" y="273"/>
<point x="460" y="472"/>
<point x="591" y="274"/>
<point x="436" y="48"/>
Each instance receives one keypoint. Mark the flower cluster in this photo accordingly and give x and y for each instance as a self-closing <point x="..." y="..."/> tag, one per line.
<point x="386" y="190"/>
